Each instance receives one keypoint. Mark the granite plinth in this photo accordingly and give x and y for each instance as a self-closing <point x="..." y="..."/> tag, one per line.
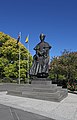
<point x="42" y="89"/>
<point x="43" y="81"/>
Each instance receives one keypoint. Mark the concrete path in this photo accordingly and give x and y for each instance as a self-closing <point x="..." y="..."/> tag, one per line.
<point x="64" y="110"/>
<point x="10" y="113"/>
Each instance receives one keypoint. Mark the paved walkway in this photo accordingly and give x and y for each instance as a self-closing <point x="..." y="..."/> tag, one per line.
<point x="64" y="110"/>
<point x="10" y="113"/>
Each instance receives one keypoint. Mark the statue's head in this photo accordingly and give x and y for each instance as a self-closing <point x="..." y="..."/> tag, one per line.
<point x="42" y="37"/>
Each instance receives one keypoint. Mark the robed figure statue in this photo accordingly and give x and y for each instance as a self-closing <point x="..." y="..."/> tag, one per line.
<point x="40" y="66"/>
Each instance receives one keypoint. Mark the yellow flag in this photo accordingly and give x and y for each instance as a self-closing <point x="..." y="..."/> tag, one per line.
<point x="26" y="39"/>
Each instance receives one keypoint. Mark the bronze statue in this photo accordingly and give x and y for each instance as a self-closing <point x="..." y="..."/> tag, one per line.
<point x="40" y="65"/>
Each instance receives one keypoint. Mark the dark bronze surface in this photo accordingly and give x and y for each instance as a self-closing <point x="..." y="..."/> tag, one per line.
<point x="40" y="65"/>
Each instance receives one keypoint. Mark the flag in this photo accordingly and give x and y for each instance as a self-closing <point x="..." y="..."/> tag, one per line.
<point x="18" y="39"/>
<point x="27" y="39"/>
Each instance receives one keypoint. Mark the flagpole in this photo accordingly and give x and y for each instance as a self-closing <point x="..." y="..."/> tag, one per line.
<point x="28" y="60"/>
<point x="27" y="41"/>
<point x="19" y="58"/>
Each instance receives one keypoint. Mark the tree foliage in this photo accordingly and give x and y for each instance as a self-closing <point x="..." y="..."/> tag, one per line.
<point x="9" y="58"/>
<point x="64" y="67"/>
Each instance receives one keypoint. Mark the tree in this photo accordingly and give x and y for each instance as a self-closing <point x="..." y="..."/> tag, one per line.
<point x="64" y="67"/>
<point x="9" y="58"/>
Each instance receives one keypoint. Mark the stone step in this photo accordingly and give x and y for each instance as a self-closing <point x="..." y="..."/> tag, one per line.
<point x="51" y="88"/>
<point x="57" y="96"/>
<point x="39" y="89"/>
<point x="41" y="93"/>
<point x="44" y="82"/>
<point x="45" y="90"/>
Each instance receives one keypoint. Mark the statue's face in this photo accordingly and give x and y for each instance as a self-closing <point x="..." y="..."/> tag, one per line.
<point x="42" y="37"/>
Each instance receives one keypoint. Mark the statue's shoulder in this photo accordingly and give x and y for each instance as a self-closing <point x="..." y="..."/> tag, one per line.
<point x="47" y="44"/>
<point x="37" y="46"/>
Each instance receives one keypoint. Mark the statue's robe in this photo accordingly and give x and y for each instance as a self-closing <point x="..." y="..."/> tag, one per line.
<point x="40" y="66"/>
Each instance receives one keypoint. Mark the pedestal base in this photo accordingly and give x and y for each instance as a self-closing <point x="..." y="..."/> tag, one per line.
<point x="42" y="89"/>
<point x="42" y="81"/>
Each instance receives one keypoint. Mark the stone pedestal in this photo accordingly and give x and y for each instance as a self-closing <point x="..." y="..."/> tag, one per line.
<point x="42" y="81"/>
<point x="41" y="88"/>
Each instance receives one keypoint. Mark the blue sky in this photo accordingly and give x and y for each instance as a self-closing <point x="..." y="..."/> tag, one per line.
<point x="57" y="19"/>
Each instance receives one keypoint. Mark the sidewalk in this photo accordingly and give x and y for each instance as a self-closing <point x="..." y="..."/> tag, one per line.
<point x="9" y="113"/>
<point x="64" y="110"/>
